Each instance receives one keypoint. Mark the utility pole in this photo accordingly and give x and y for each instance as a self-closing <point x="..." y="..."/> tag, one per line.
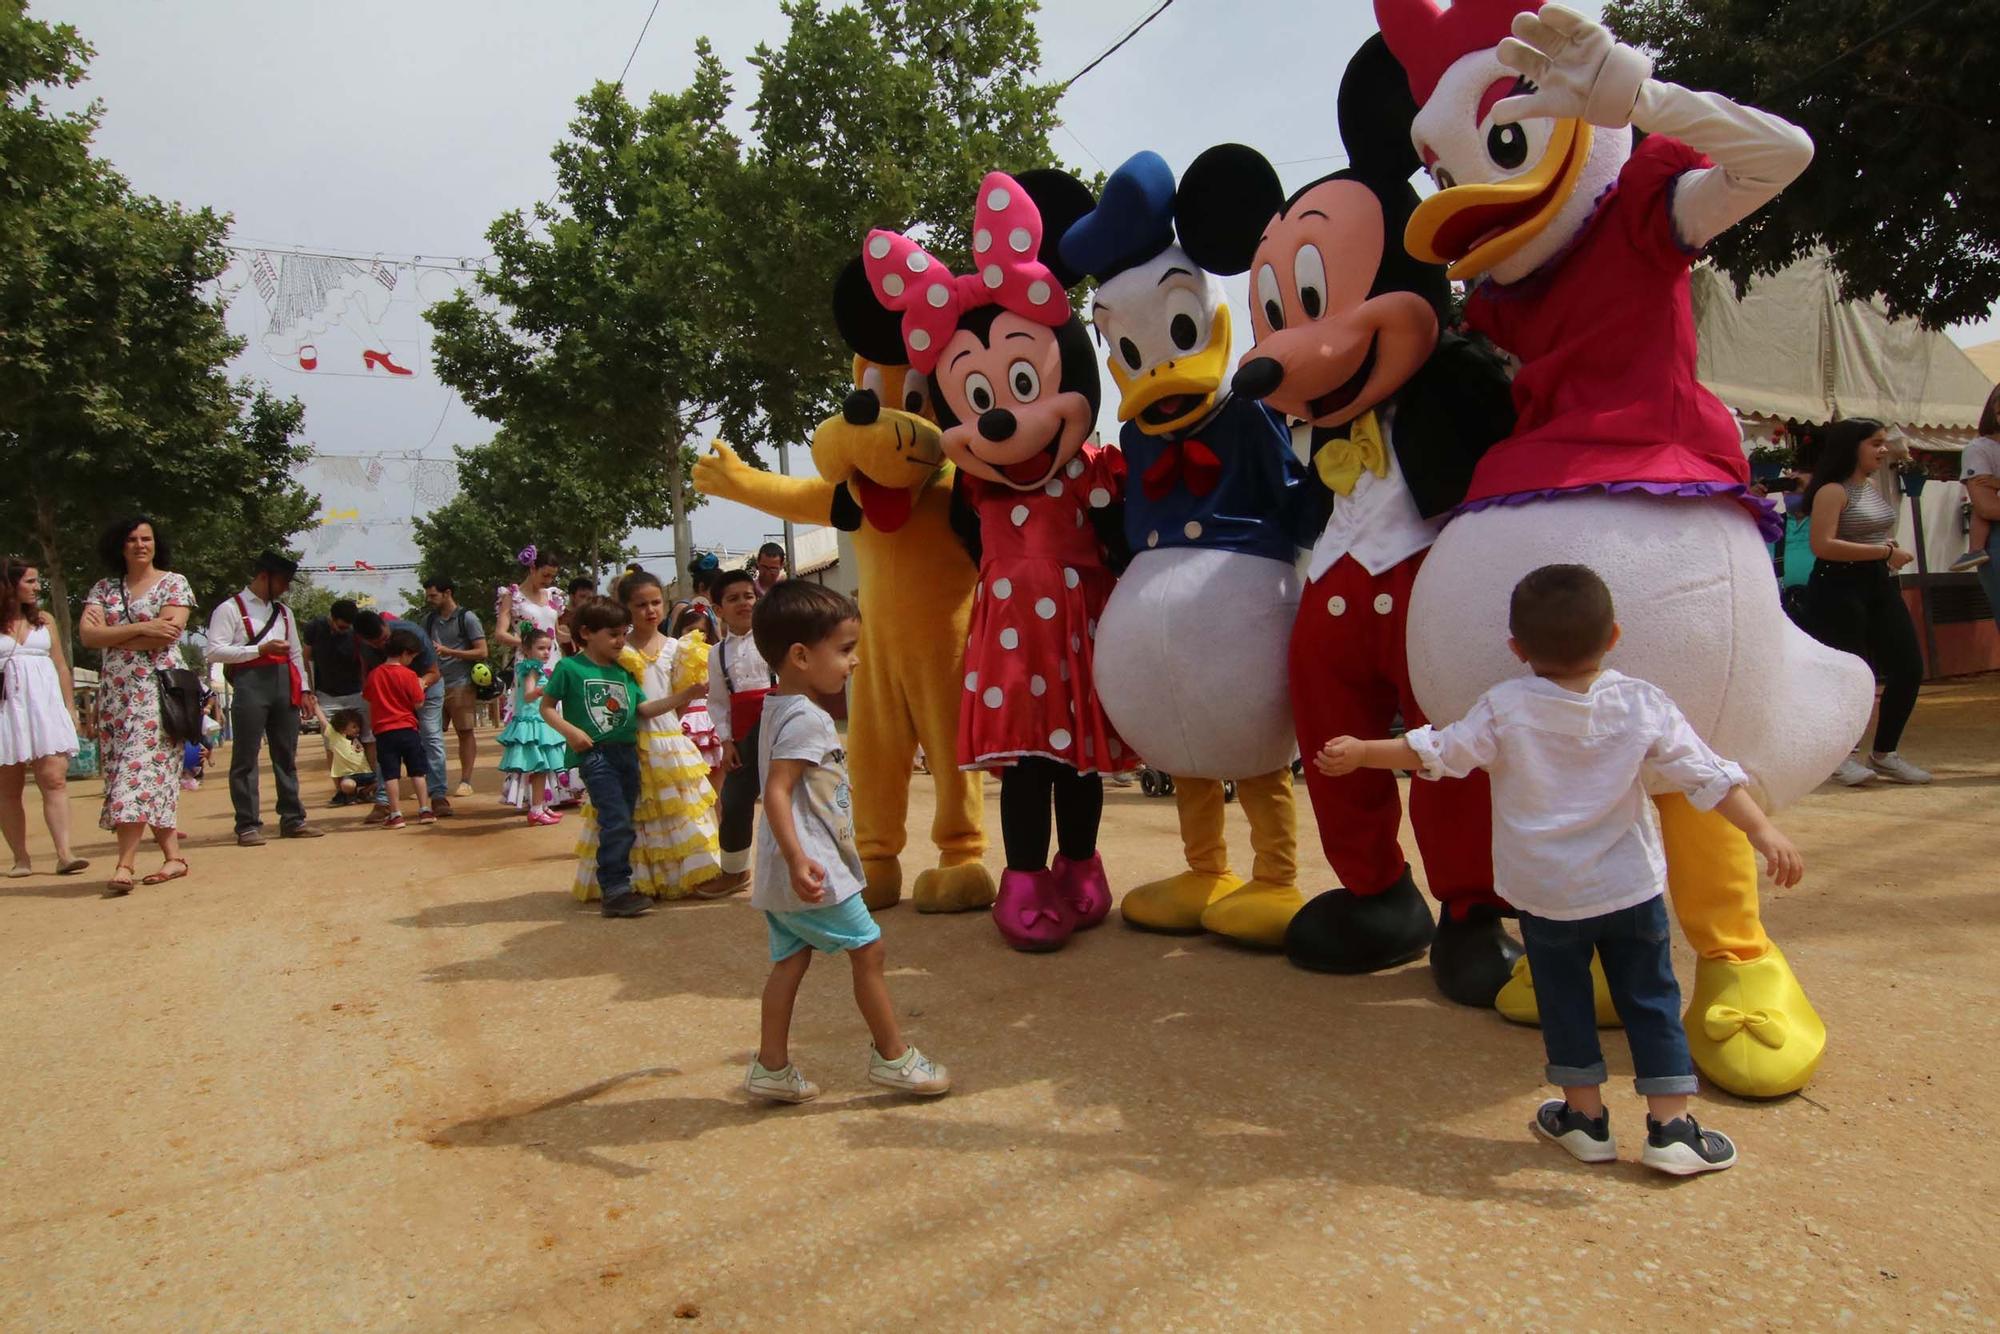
<point x="785" y="467"/>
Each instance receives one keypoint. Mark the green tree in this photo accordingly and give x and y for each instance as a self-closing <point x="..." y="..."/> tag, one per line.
<point x="683" y="281"/>
<point x="520" y="489"/>
<point x="1898" y="99"/>
<point x="113" y="394"/>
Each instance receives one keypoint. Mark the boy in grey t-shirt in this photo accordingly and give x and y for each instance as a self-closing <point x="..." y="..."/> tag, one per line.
<point x="808" y="873"/>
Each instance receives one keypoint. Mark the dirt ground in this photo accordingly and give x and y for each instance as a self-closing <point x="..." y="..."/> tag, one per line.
<point x="402" y="1081"/>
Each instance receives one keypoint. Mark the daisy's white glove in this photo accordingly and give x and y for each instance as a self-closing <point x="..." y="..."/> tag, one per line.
<point x="1580" y="71"/>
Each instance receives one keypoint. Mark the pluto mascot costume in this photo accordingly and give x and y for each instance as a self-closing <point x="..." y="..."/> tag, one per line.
<point x="1348" y="340"/>
<point x="883" y="477"/>
<point x="1191" y="647"/>
<point x="1621" y="461"/>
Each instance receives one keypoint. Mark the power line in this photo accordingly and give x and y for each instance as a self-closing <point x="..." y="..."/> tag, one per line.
<point x="1112" y="50"/>
<point x="635" y="45"/>
<point x="356" y="256"/>
<point x="1778" y="98"/>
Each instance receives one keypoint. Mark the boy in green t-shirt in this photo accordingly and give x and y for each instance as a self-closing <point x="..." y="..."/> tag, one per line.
<point x="596" y="705"/>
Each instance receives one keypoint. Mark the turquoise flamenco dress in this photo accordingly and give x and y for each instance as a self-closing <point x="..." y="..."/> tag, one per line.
<point x="528" y="745"/>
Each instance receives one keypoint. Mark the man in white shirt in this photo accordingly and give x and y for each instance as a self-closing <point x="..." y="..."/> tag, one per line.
<point x="254" y="637"/>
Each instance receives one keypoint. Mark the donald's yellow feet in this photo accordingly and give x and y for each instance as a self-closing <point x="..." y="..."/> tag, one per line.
<point x="1255" y="915"/>
<point x="1176" y="903"/>
<point x="883" y="883"/>
<point x="1750" y="1028"/>
<point x="962" y="888"/>
<point x="1516" y="1000"/>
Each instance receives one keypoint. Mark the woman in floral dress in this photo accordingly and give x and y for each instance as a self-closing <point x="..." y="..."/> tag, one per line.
<point x="135" y="618"/>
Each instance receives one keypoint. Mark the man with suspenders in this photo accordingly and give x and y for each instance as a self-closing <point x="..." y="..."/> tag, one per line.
<point x="255" y="638"/>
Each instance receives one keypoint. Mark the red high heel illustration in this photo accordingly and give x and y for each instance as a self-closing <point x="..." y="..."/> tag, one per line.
<point x="372" y="359"/>
<point x="308" y="357"/>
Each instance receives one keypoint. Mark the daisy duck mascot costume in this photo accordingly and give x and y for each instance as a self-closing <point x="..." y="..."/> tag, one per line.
<point x="1191" y="647"/>
<point x="1015" y="386"/>
<point x="1580" y="245"/>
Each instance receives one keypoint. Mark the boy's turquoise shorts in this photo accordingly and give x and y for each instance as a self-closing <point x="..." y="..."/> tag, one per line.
<point x="846" y="925"/>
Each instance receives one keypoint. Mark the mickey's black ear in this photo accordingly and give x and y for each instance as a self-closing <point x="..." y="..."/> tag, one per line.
<point x="1227" y="197"/>
<point x="1061" y="199"/>
<point x="1376" y="112"/>
<point x="868" y="327"/>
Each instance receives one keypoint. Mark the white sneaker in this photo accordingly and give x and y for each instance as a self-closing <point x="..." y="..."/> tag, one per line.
<point x="786" y="1085"/>
<point x="1853" y="773"/>
<point x="462" y="790"/>
<point x="912" y="1072"/>
<point x="1897" y="769"/>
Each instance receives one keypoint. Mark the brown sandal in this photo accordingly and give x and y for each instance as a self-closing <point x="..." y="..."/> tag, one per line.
<point x="162" y="876"/>
<point x="115" y="888"/>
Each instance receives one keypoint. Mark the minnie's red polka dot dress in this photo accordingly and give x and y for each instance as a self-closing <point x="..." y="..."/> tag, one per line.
<point x="1029" y="687"/>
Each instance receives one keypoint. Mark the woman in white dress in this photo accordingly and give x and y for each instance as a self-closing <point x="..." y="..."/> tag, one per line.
<point x="37" y="705"/>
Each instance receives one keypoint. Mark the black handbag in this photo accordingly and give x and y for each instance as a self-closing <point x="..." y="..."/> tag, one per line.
<point x="181" y="690"/>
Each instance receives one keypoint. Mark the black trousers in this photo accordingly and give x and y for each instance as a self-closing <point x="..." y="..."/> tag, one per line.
<point x="1033" y="789"/>
<point x="1856" y="607"/>
<point x="262" y="712"/>
<point x="736" y="814"/>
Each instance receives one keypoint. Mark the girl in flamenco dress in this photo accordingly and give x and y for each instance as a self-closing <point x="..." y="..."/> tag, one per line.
<point x="1040" y="509"/>
<point x="675" y="853"/>
<point x="532" y="753"/>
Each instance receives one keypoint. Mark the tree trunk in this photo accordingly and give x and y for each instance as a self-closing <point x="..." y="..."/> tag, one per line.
<point x="677" y="505"/>
<point x="53" y="574"/>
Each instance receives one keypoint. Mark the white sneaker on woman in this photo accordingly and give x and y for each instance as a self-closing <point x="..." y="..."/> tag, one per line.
<point x="1853" y="773"/>
<point x="786" y="1085"/>
<point x="912" y="1072"/>
<point x="1897" y="769"/>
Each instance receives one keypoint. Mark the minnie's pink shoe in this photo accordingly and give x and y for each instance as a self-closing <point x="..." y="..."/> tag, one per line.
<point x="1032" y="913"/>
<point x="1084" y="888"/>
<point x="544" y="817"/>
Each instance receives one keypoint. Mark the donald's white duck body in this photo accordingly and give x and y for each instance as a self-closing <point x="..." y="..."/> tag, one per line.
<point x="1581" y="247"/>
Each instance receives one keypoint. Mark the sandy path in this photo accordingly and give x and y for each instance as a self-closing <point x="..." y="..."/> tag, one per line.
<point x="399" y="1080"/>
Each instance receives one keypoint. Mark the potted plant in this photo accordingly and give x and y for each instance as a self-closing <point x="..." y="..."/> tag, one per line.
<point x="1770" y="462"/>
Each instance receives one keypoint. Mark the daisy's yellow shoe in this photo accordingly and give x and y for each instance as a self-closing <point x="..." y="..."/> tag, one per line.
<point x="1255" y="915"/>
<point x="1516" y="1000"/>
<point x="1750" y="1028"/>
<point x="963" y="888"/>
<point x="1177" y="903"/>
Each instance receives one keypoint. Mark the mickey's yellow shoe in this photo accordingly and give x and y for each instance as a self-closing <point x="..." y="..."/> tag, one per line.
<point x="882" y="883"/>
<point x="963" y="888"/>
<point x="1255" y="915"/>
<point x="1177" y="903"/>
<point x="1516" y="1000"/>
<point x="1750" y="1028"/>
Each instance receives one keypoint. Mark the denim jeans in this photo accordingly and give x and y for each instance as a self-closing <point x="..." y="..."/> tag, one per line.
<point x="1639" y="966"/>
<point x="430" y="722"/>
<point x="610" y="772"/>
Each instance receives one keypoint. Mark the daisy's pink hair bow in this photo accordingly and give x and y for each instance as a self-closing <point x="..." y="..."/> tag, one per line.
<point x="1006" y="235"/>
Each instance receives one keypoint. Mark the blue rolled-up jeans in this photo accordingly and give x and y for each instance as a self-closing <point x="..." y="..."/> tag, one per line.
<point x="610" y="772"/>
<point x="1989" y="573"/>
<point x="1633" y="944"/>
<point x="430" y="722"/>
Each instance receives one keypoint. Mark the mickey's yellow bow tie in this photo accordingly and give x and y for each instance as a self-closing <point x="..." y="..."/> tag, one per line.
<point x="1340" y="463"/>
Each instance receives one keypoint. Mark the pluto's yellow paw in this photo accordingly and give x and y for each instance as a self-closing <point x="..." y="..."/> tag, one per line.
<point x="1516" y="1000"/>
<point x="1750" y="1027"/>
<point x="1255" y="915"/>
<point x="883" y="887"/>
<point x="953" y="888"/>
<point x="1176" y="903"/>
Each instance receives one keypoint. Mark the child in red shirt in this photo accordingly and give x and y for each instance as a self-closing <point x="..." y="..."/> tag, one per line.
<point x="394" y="696"/>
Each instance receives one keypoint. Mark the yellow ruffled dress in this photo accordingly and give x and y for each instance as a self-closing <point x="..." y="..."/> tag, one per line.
<point x="675" y="850"/>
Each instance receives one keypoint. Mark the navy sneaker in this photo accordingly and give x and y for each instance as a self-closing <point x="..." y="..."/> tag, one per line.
<point x="1586" y="1138"/>
<point x="1681" y="1147"/>
<point x="629" y="904"/>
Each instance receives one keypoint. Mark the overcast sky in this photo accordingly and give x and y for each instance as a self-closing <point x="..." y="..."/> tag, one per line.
<point x="406" y="128"/>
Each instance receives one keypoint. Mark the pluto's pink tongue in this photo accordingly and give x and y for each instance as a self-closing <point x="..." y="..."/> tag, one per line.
<point x="886" y="508"/>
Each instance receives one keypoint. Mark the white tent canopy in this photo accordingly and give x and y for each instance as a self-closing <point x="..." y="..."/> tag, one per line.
<point x="1792" y="348"/>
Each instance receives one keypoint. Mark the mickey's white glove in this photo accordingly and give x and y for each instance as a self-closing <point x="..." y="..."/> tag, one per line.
<point x="1578" y="68"/>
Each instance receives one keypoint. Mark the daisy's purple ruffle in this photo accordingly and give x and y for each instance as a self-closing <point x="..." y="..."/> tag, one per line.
<point x="1770" y="521"/>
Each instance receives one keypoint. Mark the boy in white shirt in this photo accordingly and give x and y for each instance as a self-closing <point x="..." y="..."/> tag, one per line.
<point x="808" y="870"/>
<point x="1576" y="847"/>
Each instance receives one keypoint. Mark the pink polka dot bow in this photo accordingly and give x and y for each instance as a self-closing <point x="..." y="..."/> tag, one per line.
<point x="1006" y="235"/>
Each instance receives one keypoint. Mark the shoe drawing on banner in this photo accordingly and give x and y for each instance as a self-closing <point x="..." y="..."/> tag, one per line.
<point x="373" y="359"/>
